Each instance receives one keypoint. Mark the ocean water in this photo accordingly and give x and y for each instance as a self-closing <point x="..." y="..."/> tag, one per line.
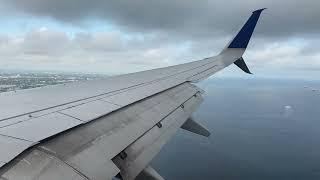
<point x="261" y="129"/>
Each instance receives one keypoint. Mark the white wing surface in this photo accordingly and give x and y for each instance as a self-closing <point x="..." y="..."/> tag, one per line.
<point x="107" y="128"/>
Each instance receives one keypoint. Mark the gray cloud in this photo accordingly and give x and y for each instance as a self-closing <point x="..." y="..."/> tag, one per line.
<point x="162" y="33"/>
<point x="182" y="17"/>
<point x="47" y="49"/>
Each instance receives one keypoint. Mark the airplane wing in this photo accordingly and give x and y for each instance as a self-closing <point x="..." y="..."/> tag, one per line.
<point x="108" y="128"/>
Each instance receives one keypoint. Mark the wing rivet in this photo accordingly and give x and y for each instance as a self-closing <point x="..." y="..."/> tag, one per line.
<point x="159" y="125"/>
<point x="123" y="155"/>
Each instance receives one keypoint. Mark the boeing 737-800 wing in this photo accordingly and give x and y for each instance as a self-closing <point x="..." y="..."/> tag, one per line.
<point x="108" y="128"/>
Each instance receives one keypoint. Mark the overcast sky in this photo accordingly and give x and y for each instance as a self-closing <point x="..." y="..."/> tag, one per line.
<point x="120" y="36"/>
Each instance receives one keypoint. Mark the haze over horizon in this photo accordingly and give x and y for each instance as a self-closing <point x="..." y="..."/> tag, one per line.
<point x="115" y="37"/>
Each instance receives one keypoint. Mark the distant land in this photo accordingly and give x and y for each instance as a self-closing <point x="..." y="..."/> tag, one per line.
<point x="13" y="81"/>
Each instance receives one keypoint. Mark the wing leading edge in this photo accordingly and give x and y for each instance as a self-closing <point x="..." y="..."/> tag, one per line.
<point x="131" y="140"/>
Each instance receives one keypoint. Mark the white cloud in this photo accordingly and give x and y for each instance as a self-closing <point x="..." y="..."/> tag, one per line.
<point x="108" y="52"/>
<point x="113" y="52"/>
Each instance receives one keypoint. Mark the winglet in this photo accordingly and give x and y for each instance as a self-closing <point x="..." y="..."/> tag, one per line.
<point x="242" y="39"/>
<point x="242" y="65"/>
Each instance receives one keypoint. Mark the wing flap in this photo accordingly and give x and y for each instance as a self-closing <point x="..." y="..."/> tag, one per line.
<point x="11" y="147"/>
<point x="39" y="165"/>
<point x="142" y="151"/>
<point x="109" y="135"/>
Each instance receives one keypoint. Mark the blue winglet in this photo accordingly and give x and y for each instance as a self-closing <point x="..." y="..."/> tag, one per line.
<point x="242" y="38"/>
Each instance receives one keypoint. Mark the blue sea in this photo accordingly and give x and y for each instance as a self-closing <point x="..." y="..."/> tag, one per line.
<point x="261" y="129"/>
